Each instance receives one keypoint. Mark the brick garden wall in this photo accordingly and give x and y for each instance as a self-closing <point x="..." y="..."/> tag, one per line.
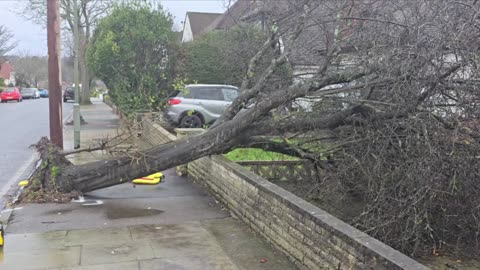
<point x="311" y="237"/>
<point x="154" y="134"/>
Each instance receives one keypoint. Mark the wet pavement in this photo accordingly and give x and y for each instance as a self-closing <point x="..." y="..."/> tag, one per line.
<point x="215" y="244"/>
<point x="173" y="225"/>
<point x="176" y="200"/>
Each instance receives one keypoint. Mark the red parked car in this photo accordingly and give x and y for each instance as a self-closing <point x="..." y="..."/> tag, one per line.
<point x="11" y="93"/>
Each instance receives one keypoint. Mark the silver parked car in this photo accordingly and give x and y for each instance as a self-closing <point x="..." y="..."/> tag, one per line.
<point x="28" y="93"/>
<point x="199" y="104"/>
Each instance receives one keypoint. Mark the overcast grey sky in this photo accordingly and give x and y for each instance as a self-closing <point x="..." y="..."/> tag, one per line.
<point x="32" y="38"/>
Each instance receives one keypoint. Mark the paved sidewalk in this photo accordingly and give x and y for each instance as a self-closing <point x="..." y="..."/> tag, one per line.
<point x="221" y="244"/>
<point x="174" y="225"/>
<point x="102" y="123"/>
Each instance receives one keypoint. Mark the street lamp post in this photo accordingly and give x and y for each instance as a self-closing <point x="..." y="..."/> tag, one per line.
<point x="76" y="106"/>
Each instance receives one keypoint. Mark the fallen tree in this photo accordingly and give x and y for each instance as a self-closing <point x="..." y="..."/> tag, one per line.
<point x="394" y="83"/>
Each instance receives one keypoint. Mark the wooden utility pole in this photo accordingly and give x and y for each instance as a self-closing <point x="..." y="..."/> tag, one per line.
<point x="54" y="78"/>
<point x="76" y="106"/>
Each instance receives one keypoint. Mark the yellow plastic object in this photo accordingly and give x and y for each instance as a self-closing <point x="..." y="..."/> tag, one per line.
<point x="23" y="183"/>
<point x="153" y="179"/>
<point x="1" y="235"/>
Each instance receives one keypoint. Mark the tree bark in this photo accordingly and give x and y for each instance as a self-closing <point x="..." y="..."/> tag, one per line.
<point x="84" y="73"/>
<point x="86" y="78"/>
<point x="102" y="174"/>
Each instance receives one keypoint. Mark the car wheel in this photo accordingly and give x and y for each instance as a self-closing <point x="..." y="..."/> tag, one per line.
<point x="191" y="121"/>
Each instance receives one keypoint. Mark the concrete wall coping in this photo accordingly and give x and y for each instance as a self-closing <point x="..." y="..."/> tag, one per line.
<point x="164" y="132"/>
<point x="185" y="132"/>
<point x="190" y="130"/>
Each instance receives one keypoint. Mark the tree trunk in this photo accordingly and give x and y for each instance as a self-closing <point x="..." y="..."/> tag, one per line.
<point x="105" y="173"/>
<point x="84" y="73"/>
<point x="85" y="93"/>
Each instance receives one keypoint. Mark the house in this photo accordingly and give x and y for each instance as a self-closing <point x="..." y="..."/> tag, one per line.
<point x="7" y="73"/>
<point x="196" y="23"/>
<point x="241" y="12"/>
<point x="306" y="52"/>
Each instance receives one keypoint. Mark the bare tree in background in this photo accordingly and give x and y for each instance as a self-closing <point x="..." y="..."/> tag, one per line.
<point x="30" y="70"/>
<point x="392" y="84"/>
<point x="68" y="59"/>
<point x="89" y="12"/>
<point x="6" y="42"/>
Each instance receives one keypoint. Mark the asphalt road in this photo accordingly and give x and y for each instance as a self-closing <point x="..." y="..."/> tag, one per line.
<point x="21" y="125"/>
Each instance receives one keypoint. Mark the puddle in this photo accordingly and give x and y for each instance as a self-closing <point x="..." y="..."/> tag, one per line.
<point x="118" y="212"/>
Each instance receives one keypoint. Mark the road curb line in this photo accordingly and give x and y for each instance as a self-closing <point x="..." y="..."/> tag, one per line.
<point x="5" y="217"/>
<point x="14" y="191"/>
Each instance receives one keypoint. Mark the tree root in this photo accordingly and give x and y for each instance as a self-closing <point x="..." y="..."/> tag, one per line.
<point x="43" y="186"/>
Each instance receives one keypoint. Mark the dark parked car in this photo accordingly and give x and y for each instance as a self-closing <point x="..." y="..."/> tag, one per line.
<point x="28" y="93"/>
<point x="11" y="93"/>
<point x="43" y="92"/>
<point x="69" y="94"/>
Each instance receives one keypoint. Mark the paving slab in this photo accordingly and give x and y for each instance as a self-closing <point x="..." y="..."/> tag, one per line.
<point x="36" y="259"/>
<point x="116" y="252"/>
<point x="198" y="245"/>
<point x="244" y="248"/>
<point x="32" y="241"/>
<point x="188" y="263"/>
<point x="133" y="265"/>
<point x="165" y="231"/>
<point x="95" y="236"/>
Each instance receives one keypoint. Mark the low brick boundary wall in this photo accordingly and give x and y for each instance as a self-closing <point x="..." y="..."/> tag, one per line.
<point x="309" y="236"/>
<point x="154" y="134"/>
<point x="286" y="170"/>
